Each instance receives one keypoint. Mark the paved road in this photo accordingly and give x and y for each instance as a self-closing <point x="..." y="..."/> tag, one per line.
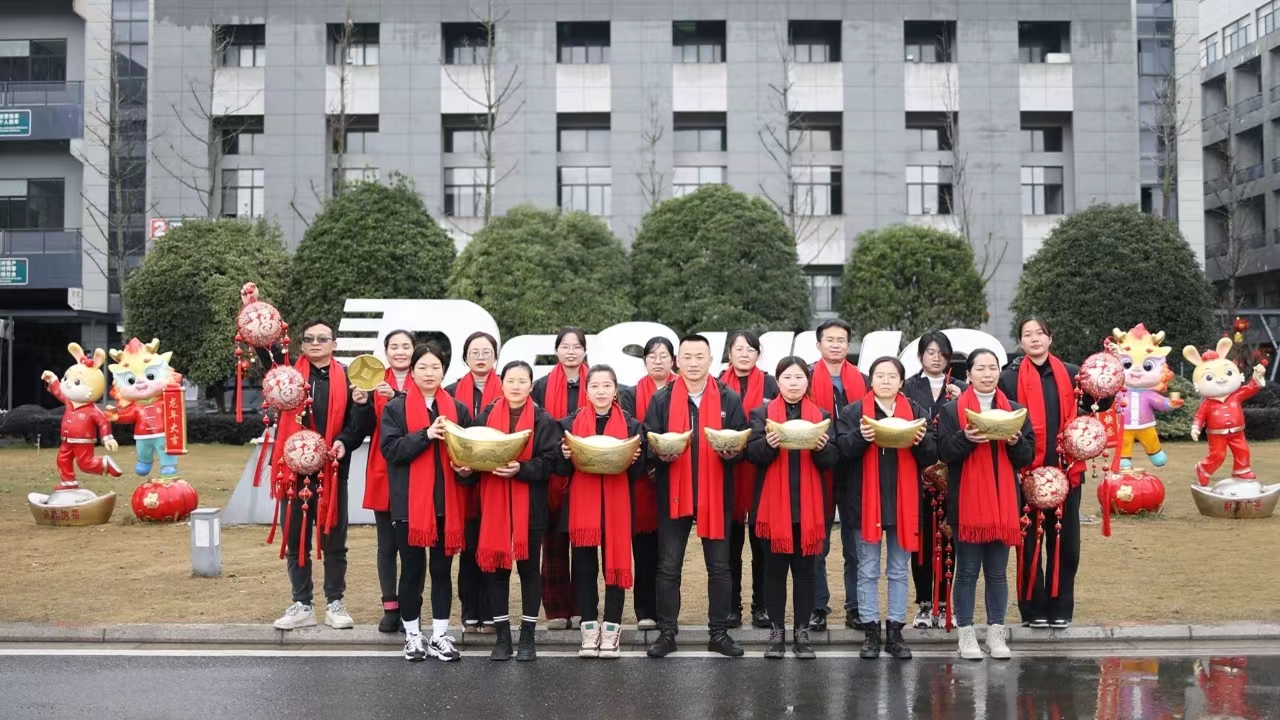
<point x="379" y="685"/>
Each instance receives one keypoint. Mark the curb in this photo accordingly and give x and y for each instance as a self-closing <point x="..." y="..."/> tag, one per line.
<point x="264" y="634"/>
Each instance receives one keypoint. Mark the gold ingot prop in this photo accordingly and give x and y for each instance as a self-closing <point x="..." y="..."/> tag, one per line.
<point x="95" y="511"/>
<point x="669" y="443"/>
<point x="483" y="448"/>
<point x="798" y="434"/>
<point x="366" y="372"/>
<point x="601" y="454"/>
<point x="998" y="424"/>
<point x="726" y="441"/>
<point x="893" y="432"/>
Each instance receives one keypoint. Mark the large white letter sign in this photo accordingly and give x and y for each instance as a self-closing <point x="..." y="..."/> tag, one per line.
<point x="609" y="348"/>
<point x="455" y="319"/>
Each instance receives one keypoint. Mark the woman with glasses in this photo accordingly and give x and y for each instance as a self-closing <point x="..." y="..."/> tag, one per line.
<point x="931" y="389"/>
<point x="756" y="388"/>
<point x="560" y="393"/>
<point x="476" y="390"/>
<point x="659" y="357"/>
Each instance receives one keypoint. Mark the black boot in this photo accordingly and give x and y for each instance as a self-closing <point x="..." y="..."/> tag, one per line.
<point x="801" y="646"/>
<point x="777" y="647"/>
<point x="390" y="622"/>
<point x="760" y="619"/>
<point x="735" y="619"/>
<point x="893" y="643"/>
<point x="664" y="645"/>
<point x="527" y="650"/>
<point x="870" y="641"/>
<point x="818" y="621"/>
<point x="502" y="648"/>
<point x="720" y="642"/>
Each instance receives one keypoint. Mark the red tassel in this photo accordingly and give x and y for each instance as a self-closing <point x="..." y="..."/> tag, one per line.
<point x="1057" y="551"/>
<point x="1035" y="558"/>
<point x="262" y="457"/>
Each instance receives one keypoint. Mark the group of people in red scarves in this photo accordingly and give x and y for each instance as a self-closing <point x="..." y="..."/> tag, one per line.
<point x="563" y="529"/>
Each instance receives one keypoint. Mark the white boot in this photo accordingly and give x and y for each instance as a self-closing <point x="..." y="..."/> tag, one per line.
<point x="969" y="649"/>
<point x="590" y="640"/>
<point x="997" y="642"/>
<point x="611" y="641"/>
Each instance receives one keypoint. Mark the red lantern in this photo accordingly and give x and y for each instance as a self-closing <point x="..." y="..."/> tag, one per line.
<point x="1101" y="375"/>
<point x="1084" y="438"/>
<point x="1045" y="488"/>
<point x="1130" y="492"/>
<point x="284" y="389"/>
<point x="305" y="452"/>
<point x="164" y="500"/>
<point x="1241" y="325"/>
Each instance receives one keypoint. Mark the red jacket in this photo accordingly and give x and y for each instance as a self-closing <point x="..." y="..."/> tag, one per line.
<point x="84" y="424"/>
<point x="1219" y="417"/>
<point x="148" y="420"/>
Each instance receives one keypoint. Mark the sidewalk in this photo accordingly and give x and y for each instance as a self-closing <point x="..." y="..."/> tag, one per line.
<point x="365" y="635"/>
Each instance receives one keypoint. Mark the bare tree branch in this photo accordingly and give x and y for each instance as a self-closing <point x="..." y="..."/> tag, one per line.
<point x="652" y="179"/>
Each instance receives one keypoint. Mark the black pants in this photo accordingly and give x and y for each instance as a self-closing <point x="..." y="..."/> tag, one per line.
<point x="1041" y="606"/>
<point x="499" y="582"/>
<point x="739" y="533"/>
<point x="386" y="557"/>
<point x="673" y="537"/>
<point x="413" y="570"/>
<point x="334" y="547"/>
<point x="644" y="593"/>
<point x="802" y="569"/>
<point x="922" y="562"/>
<point x="473" y="586"/>
<point x="586" y="574"/>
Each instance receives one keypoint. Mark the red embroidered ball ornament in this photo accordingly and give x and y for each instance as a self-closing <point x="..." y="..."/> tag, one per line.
<point x="1084" y="438"/>
<point x="1045" y="488"/>
<point x="283" y="389"/>
<point x="259" y="323"/>
<point x="1101" y="375"/>
<point x="305" y="452"/>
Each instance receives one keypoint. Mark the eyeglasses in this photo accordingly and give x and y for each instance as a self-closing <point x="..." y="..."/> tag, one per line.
<point x="748" y="350"/>
<point x="480" y="355"/>
<point x="835" y="341"/>
<point x="571" y="348"/>
<point x="658" y="357"/>
<point x="315" y="339"/>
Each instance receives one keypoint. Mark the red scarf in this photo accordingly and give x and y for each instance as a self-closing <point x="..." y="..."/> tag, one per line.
<point x="908" y="510"/>
<point x="646" y="495"/>
<point x="556" y="402"/>
<point x="286" y="484"/>
<point x="823" y="392"/>
<point x="773" y="516"/>
<point x="744" y="474"/>
<point x="988" y="494"/>
<point x="607" y="498"/>
<point x="504" y="522"/>
<point x="710" y="502"/>
<point x="465" y="391"/>
<point x="1031" y="394"/>
<point x="375" y="473"/>
<point x="422" y="477"/>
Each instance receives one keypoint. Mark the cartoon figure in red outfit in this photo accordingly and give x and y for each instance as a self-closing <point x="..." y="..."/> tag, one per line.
<point x="1225" y="683"/>
<point x="83" y="422"/>
<point x="1222" y="385"/>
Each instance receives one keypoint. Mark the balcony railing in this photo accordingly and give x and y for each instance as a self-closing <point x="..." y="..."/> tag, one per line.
<point x="1213" y="185"/>
<point x="1209" y="122"/>
<point x="1253" y="172"/>
<point x="39" y="242"/>
<point x="1248" y="105"/>
<point x="40" y="94"/>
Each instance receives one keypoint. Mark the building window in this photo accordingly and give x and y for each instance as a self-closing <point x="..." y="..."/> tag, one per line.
<point x="698" y="41"/>
<point x="582" y="140"/>
<point x="1155" y="57"/>
<point x="1237" y="35"/>
<point x="1267" y="18"/>
<point x="241" y="135"/>
<point x="466" y="43"/>
<point x="824" y="289"/>
<point x="464" y="192"/>
<point x="927" y="139"/>
<point x="1042" y="191"/>
<point x="1209" y="50"/>
<point x="685" y="180"/>
<point x="32" y="204"/>
<point x="815" y="132"/>
<point x="346" y="176"/>
<point x="354" y="43"/>
<point x="928" y="41"/>
<point x="1042" y="139"/>
<point x="463" y="134"/>
<point x="242" y="45"/>
<point x="818" y="190"/>
<point x="582" y="43"/>
<point x="928" y="189"/>
<point x="37" y="60"/>
<point x="1038" y="40"/>
<point x="243" y="193"/>
<point x="699" y="132"/>
<point x="358" y="134"/>
<point x="814" y="41"/>
<point x="586" y="189"/>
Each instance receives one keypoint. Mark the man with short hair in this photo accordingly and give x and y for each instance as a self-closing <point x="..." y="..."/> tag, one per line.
<point x="694" y="484"/>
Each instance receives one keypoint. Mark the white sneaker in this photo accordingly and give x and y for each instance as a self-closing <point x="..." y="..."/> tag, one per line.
<point x="997" y="642"/>
<point x="647" y="624"/>
<point x="590" y="640"/>
<point x="611" y="641"/>
<point x="413" y="648"/>
<point x="442" y="648"/>
<point x="558" y="624"/>
<point x="969" y="649"/>
<point x="336" y="616"/>
<point x="940" y="616"/>
<point x="924" y="617"/>
<point x="296" y="616"/>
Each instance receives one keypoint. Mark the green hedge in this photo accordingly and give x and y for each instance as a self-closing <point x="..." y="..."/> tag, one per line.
<point x="27" y="422"/>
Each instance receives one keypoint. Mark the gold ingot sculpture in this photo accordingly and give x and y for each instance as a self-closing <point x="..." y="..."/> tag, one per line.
<point x="482" y="447"/>
<point x="669" y="443"/>
<point x="998" y="424"/>
<point x="798" y="434"/>
<point x="726" y="441"/>
<point x="366" y="372"/>
<point x="893" y="432"/>
<point x="93" y="511"/>
<point x="601" y="454"/>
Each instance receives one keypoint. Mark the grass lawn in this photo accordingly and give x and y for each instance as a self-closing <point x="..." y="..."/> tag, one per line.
<point x="1176" y="567"/>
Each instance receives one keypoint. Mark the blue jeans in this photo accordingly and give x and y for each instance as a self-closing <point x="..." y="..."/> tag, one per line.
<point x="821" y="591"/>
<point x="869" y="577"/>
<point x="993" y="560"/>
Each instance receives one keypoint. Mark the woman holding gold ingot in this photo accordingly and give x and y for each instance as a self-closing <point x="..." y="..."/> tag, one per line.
<point x="790" y="509"/>
<point x="886" y="439"/>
